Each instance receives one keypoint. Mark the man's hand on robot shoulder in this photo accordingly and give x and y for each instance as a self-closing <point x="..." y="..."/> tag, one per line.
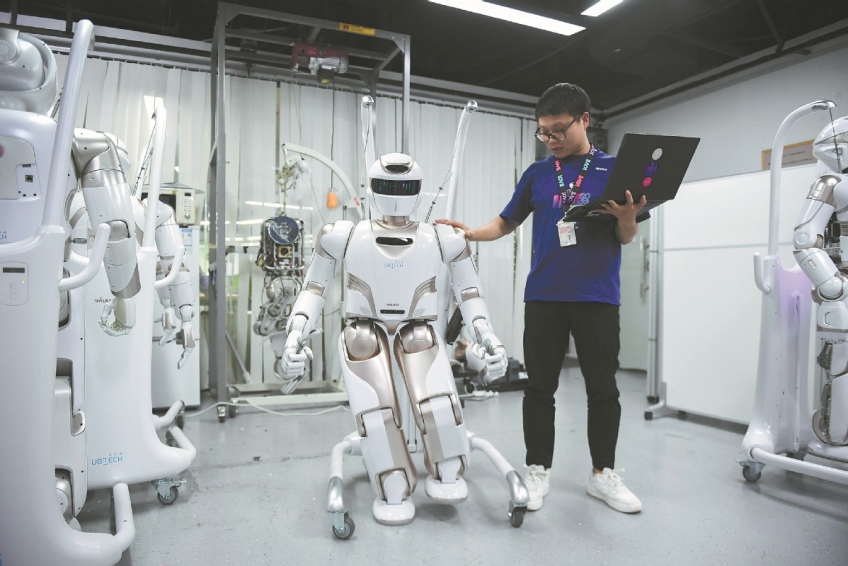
<point x="495" y="357"/>
<point x="295" y="354"/>
<point x="468" y="232"/>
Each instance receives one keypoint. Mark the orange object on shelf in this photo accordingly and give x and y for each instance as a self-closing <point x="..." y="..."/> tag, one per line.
<point x="332" y="199"/>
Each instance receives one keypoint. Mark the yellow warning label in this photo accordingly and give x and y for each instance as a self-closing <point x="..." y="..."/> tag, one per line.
<point x="357" y="29"/>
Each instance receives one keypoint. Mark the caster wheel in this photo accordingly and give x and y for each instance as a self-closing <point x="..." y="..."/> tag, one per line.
<point x="469" y="388"/>
<point x="222" y="418"/>
<point x="173" y="493"/>
<point x="232" y="411"/>
<point x="347" y="531"/>
<point x="799" y="455"/>
<point x="749" y="475"/>
<point x="180" y="420"/>
<point x="653" y="399"/>
<point x="516" y="518"/>
<point x="649" y="416"/>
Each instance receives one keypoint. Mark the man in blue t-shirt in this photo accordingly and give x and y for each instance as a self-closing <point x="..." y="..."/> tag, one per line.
<point x="572" y="288"/>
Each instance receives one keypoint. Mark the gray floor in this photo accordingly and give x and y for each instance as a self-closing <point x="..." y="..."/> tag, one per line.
<point x="256" y="495"/>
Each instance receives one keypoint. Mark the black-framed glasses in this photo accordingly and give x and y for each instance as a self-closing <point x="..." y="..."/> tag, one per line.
<point x="556" y="135"/>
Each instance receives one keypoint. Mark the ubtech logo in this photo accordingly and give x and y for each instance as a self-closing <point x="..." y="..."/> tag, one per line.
<point x="3" y="236"/>
<point x="110" y="459"/>
<point x="398" y="264"/>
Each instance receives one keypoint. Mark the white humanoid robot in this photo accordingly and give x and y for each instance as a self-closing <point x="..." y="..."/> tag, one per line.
<point x="34" y="247"/>
<point x="815" y="241"/>
<point x="100" y="188"/>
<point x="783" y="429"/>
<point x="391" y="267"/>
<point x="175" y="293"/>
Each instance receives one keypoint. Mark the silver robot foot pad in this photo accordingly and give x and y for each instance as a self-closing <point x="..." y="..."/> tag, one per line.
<point x="393" y="515"/>
<point x="449" y="493"/>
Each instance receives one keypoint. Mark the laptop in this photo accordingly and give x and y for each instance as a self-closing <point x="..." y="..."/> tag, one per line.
<point x="646" y="164"/>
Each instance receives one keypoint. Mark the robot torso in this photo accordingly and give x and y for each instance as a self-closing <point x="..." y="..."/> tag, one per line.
<point x="391" y="272"/>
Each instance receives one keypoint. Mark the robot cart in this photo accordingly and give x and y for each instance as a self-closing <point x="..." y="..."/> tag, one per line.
<point x="344" y="526"/>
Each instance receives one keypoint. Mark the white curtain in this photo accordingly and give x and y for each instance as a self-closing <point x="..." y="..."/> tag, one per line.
<point x="260" y="115"/>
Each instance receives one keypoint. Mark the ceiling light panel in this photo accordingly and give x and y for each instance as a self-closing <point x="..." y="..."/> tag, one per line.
<point x="600" y="7"/>
<point x="512" y="15"/>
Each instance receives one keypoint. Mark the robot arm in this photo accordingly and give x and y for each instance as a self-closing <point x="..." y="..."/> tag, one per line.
<point x="330" y="247"/>
<point x="107" y="200"/>
<point x="465" y="284"/>
<point x="809" y="237"/>
<point x="179" y="294"/>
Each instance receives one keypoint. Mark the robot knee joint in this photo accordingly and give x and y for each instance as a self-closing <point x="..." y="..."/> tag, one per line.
<point x="361" y="340"/>
<point x="417" y="337"/>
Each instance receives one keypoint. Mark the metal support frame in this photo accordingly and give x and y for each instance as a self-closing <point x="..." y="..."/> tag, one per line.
<point x="656" y="393"/>
<point x="220" y="54"/>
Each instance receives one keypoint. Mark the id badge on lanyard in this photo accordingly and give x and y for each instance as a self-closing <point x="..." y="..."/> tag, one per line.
<point x="567" y="231"/>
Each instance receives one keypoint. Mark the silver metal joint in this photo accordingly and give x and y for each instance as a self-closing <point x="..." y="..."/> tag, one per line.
<point x="335" y="500"/>
<point x="518" y="494"/>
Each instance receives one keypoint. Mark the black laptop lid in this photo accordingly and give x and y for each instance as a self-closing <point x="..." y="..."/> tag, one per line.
<point x="646" y="164"/>
<point x="650" y="165"/>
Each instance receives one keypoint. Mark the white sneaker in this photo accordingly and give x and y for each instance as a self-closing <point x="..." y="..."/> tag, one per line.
<point x="537" y="479"/>
<point x="608" y="487"/>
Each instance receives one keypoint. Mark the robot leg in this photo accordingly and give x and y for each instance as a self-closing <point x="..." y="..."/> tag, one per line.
<point x="422" y="357"/>
<point x="366" y="366"/>
<point x="830" y="422"/>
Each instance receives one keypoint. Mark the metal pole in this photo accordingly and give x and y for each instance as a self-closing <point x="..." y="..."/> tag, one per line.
<point x="217" y="218"/>
<point x="406" y="72"/>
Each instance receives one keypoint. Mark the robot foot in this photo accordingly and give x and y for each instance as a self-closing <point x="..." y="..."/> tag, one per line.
<point x="827" y="451"/>
<point x="449" y="493"/>
<point x="451" y="488"/>
<point x="393" y="515"/>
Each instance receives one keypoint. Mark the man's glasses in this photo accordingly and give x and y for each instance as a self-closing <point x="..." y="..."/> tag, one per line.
<point x="556" y="135"/>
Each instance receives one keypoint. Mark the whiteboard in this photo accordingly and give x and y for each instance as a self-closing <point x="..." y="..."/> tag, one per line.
<point x="710" y="316"/>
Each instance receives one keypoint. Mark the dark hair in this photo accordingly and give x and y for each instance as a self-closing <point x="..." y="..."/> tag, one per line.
<point x="563" y="98"/>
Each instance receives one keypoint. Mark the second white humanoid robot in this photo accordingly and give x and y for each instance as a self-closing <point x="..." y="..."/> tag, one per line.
<point x="391" y="266"/>
<point x="817" y="237"/>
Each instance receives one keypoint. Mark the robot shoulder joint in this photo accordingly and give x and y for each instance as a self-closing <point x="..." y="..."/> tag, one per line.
<point x="452" y="243"/>
<point x="332" y="239"/>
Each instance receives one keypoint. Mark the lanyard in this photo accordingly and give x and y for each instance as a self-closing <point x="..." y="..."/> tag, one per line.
<point x="569" y="193"/>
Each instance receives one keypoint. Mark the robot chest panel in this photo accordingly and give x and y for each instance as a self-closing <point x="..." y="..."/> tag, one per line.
<point x="392" y="273"/>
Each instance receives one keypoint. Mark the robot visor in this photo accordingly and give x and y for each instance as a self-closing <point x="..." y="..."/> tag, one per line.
<point x="395" y="188"/>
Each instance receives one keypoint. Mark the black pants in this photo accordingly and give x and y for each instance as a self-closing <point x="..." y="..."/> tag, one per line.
<point x="595" y="328"/>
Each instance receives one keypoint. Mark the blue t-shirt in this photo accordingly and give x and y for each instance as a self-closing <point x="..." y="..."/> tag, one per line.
<point x="586" y="272"/>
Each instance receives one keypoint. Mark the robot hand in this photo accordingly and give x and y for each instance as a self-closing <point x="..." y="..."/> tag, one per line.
<point x="293" y="362"/>
<point x="187" y="340"/>
<point x="494" y="355"/>
<point x="289" y="383"/>
<point x="124" y="317"/>
<point x="169" y="325"/>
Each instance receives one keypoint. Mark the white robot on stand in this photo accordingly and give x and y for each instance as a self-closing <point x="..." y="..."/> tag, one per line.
<point x="391" y="267"/>
<point x="32" y="529"/>
<point x="783" y="430"/>
<point x="828" y="199"/>
<point x="175" y="294"/>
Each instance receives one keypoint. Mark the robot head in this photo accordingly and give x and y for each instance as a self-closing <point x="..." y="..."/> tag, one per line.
<point x="394" y="184"/>
<point x="27" y="73"/>
<point x="831" y="146"/>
